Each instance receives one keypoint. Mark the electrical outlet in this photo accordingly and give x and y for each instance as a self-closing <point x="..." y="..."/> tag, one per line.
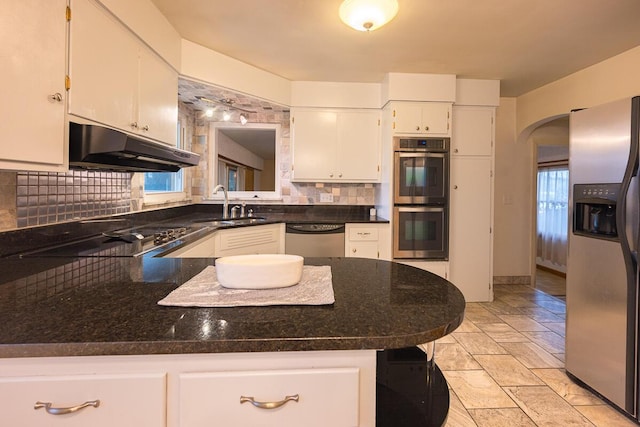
<point x="326" y="198"/>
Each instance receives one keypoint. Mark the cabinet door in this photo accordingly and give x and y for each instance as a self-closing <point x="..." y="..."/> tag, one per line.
<point x="358" y="147"/>
<point x="407" y="118"/>
<point x="325" y="397"/>
<point x="255" y="239"/>
<point x="33" y="69"/>
<point x="158" y="100"/>
<point x="436" y="117"/>
<point x="470" y="249"/>
<point x="126" y="400"/>
<point x="422" y="118"/>
<point x="103" y="67"/>
<point x="314" y="142"/>
<point x="473" y="131"/>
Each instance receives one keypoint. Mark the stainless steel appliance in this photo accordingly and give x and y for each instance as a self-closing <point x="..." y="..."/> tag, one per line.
<point x="602" y="268"/>
<point x="421" y="168"/>
<point x="314" y="240"/>
<point x="420" y="232"/>
<point x="421" y="198"/>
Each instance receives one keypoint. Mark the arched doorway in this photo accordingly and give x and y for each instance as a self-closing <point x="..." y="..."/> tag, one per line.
<point x="550" y="143"/>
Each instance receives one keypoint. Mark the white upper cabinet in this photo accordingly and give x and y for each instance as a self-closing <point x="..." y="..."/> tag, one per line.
<point x="421" y="118"/>
<point x="473" y="131"/>
<point x="118" y="81"/>
<point x="33" y="70"/>
<point x="336" y="145"/>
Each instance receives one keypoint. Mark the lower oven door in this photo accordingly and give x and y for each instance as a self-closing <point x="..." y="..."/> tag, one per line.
<point x="420" y="232"/>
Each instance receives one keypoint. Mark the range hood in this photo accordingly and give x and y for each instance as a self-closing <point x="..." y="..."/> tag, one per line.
<point x="102" y="148"/>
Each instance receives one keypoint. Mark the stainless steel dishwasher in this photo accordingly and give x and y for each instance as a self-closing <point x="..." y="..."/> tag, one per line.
<point x="315" y="240"/>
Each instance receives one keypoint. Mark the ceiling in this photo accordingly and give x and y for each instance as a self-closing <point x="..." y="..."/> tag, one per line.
<point x="524" y="43"/>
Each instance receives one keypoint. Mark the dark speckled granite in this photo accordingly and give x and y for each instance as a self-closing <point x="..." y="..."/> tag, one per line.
<point x="107" y="306"/>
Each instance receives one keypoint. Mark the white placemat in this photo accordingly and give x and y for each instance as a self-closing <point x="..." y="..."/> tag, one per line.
<point x="204" y="290"/>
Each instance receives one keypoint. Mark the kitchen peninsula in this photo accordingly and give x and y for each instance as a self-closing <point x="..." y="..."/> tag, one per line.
<point x="76" y="323"/>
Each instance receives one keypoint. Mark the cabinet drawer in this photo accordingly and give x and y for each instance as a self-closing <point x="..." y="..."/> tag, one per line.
<point x="326" y="397"/>
<point x="124" y="400"/>
<point x="360" y="234"/>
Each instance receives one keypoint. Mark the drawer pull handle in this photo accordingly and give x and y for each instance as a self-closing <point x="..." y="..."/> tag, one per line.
<point x="62" y="411"/>
<point x="268" y="405"/>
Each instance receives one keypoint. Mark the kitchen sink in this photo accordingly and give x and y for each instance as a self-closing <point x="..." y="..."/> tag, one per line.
<point x="220" y="222"/>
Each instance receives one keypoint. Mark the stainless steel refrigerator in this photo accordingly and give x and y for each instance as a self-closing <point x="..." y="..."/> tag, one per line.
<point x="602" y="267"/>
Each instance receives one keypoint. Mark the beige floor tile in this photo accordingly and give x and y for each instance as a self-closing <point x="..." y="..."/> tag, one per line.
<point x="550" y="341"/>
<point x="447" y="339"/>
<point x="531" y="355"/>
<point x="605" y="416"/>
<point x="478" y="343"/>
<point x="517" y="301"/>
<point x="559" y="382"/>
<point x="501" y="332"/>
<point x="467" y="326"/>
<point x="506" y="370"/>
<point x="476" y="389"/>
<point x="478" y="314"/>
<point x="508" y="417"/>
<point x="501" y="307"/>
<point x="557" y="327"/>
<point x="458" y="415"/>
<point x="545" y="407"/>
<point x="452" y="357"/>
<point x="540" y="314"/>
<point x="522" y="323"/>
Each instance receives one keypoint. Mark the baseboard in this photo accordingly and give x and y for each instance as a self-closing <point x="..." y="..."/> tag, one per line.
<point x="512" y="280"/>
<point x="552" y="271"/>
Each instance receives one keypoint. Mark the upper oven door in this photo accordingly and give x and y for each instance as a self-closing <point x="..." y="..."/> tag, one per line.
<point x="420" y="178"/>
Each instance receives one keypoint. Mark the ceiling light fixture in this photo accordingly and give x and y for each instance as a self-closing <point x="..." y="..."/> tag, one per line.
<point x="226" y="116"/>
<point x="367" y="15"/>
<point x="208" y="112"/>
<point x="243" y="119"/>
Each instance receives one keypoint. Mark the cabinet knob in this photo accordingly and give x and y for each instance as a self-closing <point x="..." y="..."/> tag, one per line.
<point x="354" y="250"/>
<point x="145" y="128"/>
<point x="330" y="175"/>
<point x="455" y="187"/>
<point x="455" y="150"/>
<point x="417" y="127"/>
<point x="426" y="128"/>
<point x="56" y="97"/>
<point x="340" y="175"/>
<point x="134" y="125"/>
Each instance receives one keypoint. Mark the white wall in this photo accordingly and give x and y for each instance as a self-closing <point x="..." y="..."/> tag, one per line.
<point x="512" y="190"/>
<point x="612" y="79"/>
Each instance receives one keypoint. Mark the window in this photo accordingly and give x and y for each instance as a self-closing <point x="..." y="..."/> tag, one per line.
<point x="553" y="216"/>
<point x="158" y="184"/>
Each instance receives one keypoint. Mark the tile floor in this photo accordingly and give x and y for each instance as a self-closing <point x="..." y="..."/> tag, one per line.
<point x="504" y="366"/>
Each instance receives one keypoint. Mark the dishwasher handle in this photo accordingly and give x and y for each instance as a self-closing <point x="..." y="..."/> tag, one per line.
<point x="315" y="228"/>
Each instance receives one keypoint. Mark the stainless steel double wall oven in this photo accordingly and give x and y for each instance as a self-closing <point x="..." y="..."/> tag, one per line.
<point x="421" y="198"/>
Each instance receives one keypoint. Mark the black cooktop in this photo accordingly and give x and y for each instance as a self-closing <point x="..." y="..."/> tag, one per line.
<point x="121" y="243"/>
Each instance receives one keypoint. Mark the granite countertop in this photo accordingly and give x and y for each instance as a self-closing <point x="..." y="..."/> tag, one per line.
<point x="108" y="306"/>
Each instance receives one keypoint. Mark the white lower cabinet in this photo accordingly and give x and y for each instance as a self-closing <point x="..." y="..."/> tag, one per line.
<point x="84" y="400"/>
<point x="254" y="239"/>
<point x="333" y="388"/>
<point x="305" y="397"/>
<point x="367" y="241"/>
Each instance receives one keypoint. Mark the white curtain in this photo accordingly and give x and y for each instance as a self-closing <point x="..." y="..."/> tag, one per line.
<point x="553" y="216"/>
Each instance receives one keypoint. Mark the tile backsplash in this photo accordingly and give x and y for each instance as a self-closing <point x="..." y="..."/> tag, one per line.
<point x="51" y="197"/>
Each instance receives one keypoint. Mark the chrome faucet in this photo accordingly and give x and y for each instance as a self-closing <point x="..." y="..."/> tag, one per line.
<point x="225" y="206"/>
